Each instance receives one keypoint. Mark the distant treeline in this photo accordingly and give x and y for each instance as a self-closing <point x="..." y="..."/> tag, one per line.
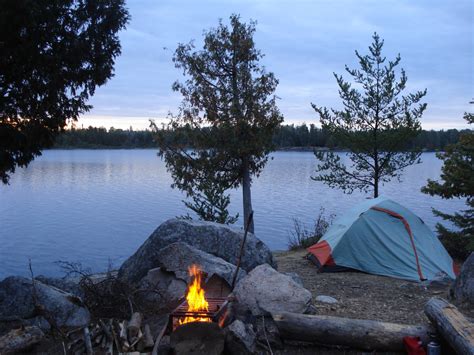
<point x="287" y="136"/>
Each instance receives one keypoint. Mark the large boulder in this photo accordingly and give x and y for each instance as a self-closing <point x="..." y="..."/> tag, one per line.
<point x="166" y="283"/>
<point x="217" y="239"/>
<point x="462" y="289"/>
<point x="17" y="301"/>
<point x="264" y="290"/>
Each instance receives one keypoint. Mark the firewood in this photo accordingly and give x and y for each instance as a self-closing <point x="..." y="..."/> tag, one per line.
<point x="355" y="333"/>
<point x="134" y="324"/>
<point x="452" y="325"/>
<point x="114" y="336"/>
<point x="87" y="340"/>
<point x="148" y="338"/>
<point x="19" y="340"/>
<point x="123" y="335"/>
<point x="136" y="339"/>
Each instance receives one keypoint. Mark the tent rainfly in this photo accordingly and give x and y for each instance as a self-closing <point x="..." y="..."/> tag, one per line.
<point x="381" y="237"/>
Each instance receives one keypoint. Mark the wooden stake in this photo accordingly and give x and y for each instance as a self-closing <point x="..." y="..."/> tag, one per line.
<point x="241" y="249"/>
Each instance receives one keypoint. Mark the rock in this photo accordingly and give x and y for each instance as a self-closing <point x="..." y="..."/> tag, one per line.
<point x="167" y="283"/>
<point x="296" y="278"/>
<point x="71" y="285"/>
<point x="217" y="239"/>
<point x="19" y="341"/>
<point x="16" y="300"/>
<point x="162" y="288"/>
<point x="326" y="299"/>
<point x="178" y="257"/>
<point x="240" y="339"/>
<point x="264" y="290"/>
<point x="462" y="289"/>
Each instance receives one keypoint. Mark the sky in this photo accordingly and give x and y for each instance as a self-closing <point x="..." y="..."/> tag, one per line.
<point x="304" y="43"/>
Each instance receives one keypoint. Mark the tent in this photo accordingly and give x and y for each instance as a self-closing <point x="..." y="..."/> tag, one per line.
<point x="381" y="237"/>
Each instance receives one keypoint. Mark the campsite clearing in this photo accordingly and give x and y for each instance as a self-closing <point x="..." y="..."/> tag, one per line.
<point x="361" y="295"/>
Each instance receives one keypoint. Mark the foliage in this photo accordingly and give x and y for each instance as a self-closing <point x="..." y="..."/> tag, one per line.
<point x="228" y="113"/>
<point x="376" y="125"/>
<point x="301" y="237"/>
<point x="285" y="136"/>
<point x="53" y="54"/>
<point x="210" y="203"/>
<point x="457" y="181"/>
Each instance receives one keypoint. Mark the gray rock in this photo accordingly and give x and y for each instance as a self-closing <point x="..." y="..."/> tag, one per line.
<point x="240" y="339"/>
<point x="162" y="288"/>
<point x="462" y="289"/>
<point x="178" y="257"/>
<point x="326" y="299"/>
<point x="71" y="285"/>
<point x="296" y="277"/>
<point x="16" y="300"/>
<point x="264" y="290"/>
<point x="217" y="239"/>
<point x="167" y="283"/>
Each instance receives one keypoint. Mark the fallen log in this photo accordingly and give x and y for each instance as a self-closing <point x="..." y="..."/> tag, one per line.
<point x="353" y="333"/>
<point x="19" y="340"/>
<point x="452" y="325"/>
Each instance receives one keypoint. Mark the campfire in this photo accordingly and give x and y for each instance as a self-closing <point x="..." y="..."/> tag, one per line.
<point x="196" y="307"/>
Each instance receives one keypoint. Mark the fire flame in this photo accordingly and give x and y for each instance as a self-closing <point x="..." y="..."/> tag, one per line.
<point x="196" y="297"/>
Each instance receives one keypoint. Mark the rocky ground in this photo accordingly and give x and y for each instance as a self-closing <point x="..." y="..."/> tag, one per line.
<point x="362" y="295"/>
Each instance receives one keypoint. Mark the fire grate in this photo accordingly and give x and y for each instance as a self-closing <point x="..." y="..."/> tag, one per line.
<point x="217" y="312"/>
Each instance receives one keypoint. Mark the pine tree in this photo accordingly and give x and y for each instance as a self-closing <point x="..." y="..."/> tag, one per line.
<point x="457" y="181"/>
<point x="376" y="125"/>
<point x="53" y="55"/>
<point x="228" y="113"/>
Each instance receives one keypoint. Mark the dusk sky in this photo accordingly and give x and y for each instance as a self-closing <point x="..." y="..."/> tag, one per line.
<point x="304" y="42"/>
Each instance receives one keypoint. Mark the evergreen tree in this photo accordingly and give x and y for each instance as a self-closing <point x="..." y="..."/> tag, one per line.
<point x="228" y="114"/>
<point x="376" y="125"/>
<point x="457" y="181"/>
<point x="53" y="54"/>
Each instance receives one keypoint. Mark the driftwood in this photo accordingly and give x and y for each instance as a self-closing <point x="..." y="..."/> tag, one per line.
<point x="354" y="333"/>
<point x="19" y="340"/>
<point x="452" y="325"/>
<point x="87" y="341"/>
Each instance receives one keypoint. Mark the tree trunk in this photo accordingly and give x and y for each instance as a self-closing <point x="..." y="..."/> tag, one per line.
<point x="354" y="333"/>
<point x="452" y="325"/>
<point x="247" y="197"/>
<point x="376" y="188"/>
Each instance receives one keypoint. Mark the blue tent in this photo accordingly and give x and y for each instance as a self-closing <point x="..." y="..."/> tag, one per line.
<point x="381" y="237"/>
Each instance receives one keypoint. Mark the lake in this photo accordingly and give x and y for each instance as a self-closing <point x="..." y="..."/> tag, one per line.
<point x="98" y="206"/>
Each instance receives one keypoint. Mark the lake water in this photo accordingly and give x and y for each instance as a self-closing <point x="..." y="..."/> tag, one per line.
<point x="98" y="206"/>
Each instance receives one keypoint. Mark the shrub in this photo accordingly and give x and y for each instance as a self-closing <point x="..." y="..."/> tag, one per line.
<point x="301" y="237"/>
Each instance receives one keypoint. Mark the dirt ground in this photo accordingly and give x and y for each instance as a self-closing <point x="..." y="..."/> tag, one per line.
<point x="360" y="295"/>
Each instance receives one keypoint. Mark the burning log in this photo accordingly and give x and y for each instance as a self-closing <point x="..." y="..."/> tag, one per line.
<point x="354" y="333"/>
<point x="198" y="338"/>
<point x="452" y="325"/>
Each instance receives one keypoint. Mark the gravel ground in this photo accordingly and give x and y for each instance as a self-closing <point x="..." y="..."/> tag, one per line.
<point x="360" y="295"/>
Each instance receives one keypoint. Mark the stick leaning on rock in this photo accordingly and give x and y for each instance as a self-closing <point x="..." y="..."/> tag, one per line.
<point x="242" y="245"/>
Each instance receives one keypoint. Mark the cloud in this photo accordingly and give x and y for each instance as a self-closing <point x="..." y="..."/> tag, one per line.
<point x="304" y="42"/>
